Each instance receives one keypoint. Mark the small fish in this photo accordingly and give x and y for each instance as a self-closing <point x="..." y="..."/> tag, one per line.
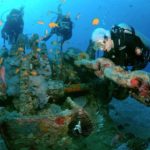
<point x="40" y="22"/>
<point x="2" y="74"/>
<point x="33" y="73"/>
<point x="95" y="21"/>
<point x="1" y="23"/>
<point x="25" y="73"/>
<point x="17" y="70"/>
<point x="1" y="60"/>
<point x="20" y="49"/>
<point x="60" y="120"/>
<point x="52" y="25"/>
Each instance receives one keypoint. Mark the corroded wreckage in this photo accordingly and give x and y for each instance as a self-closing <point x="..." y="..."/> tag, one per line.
<point x="27" y="88"/>
<point x="136" y="82"/>
<point x="49" y="129"/>
<point x="46" y="104"/>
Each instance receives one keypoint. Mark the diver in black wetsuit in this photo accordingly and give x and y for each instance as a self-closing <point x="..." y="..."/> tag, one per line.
<point x="64" y="28"/>
<point x="13" y="26"/>
<point x="123" y="46"/>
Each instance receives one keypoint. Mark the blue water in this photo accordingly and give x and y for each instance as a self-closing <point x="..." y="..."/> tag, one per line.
<point x="133" y="12"/>
<point x="110" y="12"/>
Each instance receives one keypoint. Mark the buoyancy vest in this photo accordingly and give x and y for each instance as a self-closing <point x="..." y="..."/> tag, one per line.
<point x="120" y="35"/>
<point x="125" y="41"/>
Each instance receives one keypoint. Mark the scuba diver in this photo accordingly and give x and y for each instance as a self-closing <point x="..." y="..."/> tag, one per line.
<point x="123" y="46"/>
<point x="13" y="26"/>
<point x="63" y="28"/>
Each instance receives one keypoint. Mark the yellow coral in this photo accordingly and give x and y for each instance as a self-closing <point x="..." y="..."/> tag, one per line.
<point x="24" y="59"/>
<point x="38" y="49"/>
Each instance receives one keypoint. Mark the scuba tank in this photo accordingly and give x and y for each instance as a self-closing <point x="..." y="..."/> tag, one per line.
<point x="120" y="33"/>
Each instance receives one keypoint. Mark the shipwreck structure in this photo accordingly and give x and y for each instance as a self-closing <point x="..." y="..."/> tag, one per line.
<point x="46" y="104"/>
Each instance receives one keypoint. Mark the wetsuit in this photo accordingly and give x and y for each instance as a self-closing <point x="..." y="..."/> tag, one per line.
<point x="123" y="53"/>
<point x="64" y="29"/>
<point x="13" y="26"/>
